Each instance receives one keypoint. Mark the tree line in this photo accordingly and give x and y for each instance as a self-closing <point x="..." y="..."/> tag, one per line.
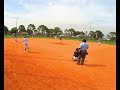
<point x="56" y="31"/>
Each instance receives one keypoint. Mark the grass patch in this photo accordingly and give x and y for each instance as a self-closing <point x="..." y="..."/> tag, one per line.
<point x="93" y="40"/>
<point x="22" y="36"/>
<point x="64" y="38"/>
<point x="8" y="36"/>
<point x="109" y="42"/>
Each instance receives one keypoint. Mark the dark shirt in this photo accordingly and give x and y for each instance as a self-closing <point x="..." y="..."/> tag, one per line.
<point x="76" y="54"/>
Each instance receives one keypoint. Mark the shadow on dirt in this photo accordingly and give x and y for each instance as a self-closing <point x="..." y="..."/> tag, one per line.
<point x="94" y="65"/>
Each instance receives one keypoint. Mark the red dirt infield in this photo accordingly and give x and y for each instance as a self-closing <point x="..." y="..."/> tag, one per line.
<point x="49" y="66"/>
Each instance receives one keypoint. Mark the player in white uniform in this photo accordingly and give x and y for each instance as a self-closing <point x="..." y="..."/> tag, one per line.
<point x="99" y="43"/>
<point x="25" y="40"/>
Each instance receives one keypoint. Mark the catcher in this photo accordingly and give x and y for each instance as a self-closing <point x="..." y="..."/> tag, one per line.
<point x="76" y="54"/>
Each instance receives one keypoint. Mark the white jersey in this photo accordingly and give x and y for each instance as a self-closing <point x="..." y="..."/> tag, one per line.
<point x="99" y="42"/>
<point x="25" y="40"/>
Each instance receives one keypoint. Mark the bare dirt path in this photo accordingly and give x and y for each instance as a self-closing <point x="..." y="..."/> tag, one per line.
<point x="49" y="66"/>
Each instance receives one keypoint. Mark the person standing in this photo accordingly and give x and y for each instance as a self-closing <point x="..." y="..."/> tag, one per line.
<point x="83" y="51"/>
<point x="60" y="38"/>
<point x="99" y="43"/>
<point x="25" y="40"/>
<point x="15" y="37"/>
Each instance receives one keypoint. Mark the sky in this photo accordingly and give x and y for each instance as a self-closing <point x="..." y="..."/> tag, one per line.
<point x="65" y="14"/>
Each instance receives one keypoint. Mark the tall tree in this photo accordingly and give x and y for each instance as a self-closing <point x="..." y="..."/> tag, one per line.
<point x="72" y="31"/>
<point x="43" y="29"/>
<point x="112" y="36"/>
<point x="40" y="29"/>
<point x="57" y="31"/>
<point x="14" y="30"/>
<point x="31" y="27"/>
<point x="82" y="33"/>
<point x="51" y="31"/>
<point x="66" y="32"/>
<point x="91" y="34"/>
<point x="47" y="31"/>
<point x="21" y="28"/>
<point x="29" y="31"/>
<point x="6" y="30"/>
<point x="76" y="33"/>
<point x="98" y="34"/>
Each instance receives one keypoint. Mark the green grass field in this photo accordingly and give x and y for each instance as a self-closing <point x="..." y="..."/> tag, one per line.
<point x="64" y="38"/>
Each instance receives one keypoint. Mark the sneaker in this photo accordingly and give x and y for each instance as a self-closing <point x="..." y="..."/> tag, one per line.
<point x="75" y="60"/>
<point x="82" y="62"/>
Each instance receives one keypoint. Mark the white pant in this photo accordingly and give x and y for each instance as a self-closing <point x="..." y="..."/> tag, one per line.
<point x="75" y="58"/>
<point x="26" y="45"/>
